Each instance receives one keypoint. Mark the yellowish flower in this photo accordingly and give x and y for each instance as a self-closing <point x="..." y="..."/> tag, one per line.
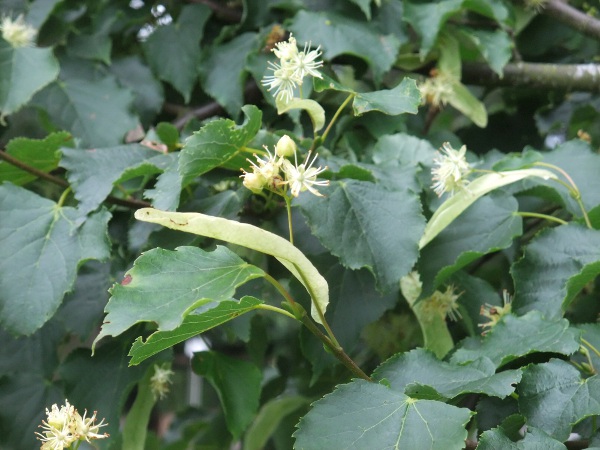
<point x="159" y="383"/>
<point x="495" y="313"/>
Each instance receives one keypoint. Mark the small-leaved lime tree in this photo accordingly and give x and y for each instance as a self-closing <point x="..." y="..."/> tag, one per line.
<point x="374" y="254"/>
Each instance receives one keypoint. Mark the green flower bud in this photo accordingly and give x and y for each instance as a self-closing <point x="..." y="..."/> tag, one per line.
<point x="285" y="147"/>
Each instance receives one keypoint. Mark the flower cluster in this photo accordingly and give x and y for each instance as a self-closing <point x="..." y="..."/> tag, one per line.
<point x="159" y="383"/>
<point x="65" y="426"/>
<point x="444" y="303"/>
<point x="436" y="90"/>
<point x="16" y="32"/>
<point x="293" y="66"/>
<point x="275" y="173"/>
<point x="451" y="170"/>
<point x="495" y="313"/>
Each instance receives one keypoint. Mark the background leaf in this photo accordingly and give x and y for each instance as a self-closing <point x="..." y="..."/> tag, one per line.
<point x="359" y="221"/>
<point x="23" y="72"/>
<point x="95" y="112"/>
<point x="557" y="264"/>
<point x="404" y="98"/>
<point x="554" y="397"/>
<point x="43" y="248"/>
<point x="338" y="35"/>
<point x="237" y="383"/>
<point x="173" y="50"/>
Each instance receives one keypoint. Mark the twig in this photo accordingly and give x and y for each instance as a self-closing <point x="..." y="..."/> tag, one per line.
<point x="570" y="77"/>
<point x="129" y="203"/>
<point x="222" y="10"/>
<point x="573" y="17"/>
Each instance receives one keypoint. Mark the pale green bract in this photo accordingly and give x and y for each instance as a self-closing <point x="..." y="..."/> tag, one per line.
<point x="455" y="205"/>
<point x="251" y="237"/>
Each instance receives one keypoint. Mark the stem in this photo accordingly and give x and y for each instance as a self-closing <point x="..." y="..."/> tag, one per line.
<point x="329" y="341"/>
<point x="575" y="193"/>
<point x="334" y="118"/>
<point x="288" y="207"/>
<point x="592" y="348"/>
<point x="277" y="310"/>
<point x="582" y="22"/>
<point x="542" y="216"/>
<point x="63" y="197"/>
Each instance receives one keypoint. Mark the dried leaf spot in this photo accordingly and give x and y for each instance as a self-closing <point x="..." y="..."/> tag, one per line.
<point x="126" y="280"/>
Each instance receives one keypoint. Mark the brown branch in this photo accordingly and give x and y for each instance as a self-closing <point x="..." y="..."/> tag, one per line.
<point x="573" y="17"/>
<point x="222" y="10"/>
<point x="129" y="203"/>
<point x="569" y="77"/>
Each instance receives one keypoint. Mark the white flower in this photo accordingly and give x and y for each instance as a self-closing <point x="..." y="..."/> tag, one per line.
<point x="284" y="79"/>
<point x="302" y="177"/>
<point x="85" y="428"/>
<point x="265" y="172"/>
<point x="436" y="90"/>
<point x="452" y="168"/>
<point x="306" y="63"/>
<point x="17" y="32"/>
<point x="293" y="66"/>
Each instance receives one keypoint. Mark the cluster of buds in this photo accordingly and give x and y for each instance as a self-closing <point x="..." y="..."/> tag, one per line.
<point x="495" y="313"/>
<point x="159" y="383"/>
<point x="293" y="66"/>
<point x="16" y="32"/>
<point x="451" y="169"/>
<point x="277" y="174"/>
<point x="64" y="426"/>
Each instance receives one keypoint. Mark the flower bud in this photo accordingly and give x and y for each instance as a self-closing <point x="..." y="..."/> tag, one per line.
<point x="254" y="181"/>
<point x="285" y="147"/>
<point x="17" y="32"/>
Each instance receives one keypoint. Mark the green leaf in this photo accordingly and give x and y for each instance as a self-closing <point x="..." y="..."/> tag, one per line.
<point x="455" y="205"/>
<point x="403" y="149"/>
<point x="42" y="248"/>
<point x="38" y="153"/>
<point x="338" y="35"/>
<point x="360" y="223"/>
<point x="315" y="110"/>
<point x="499" y="11"/>
<point x="147" y="90"/>
<point x="268" y="419"/>
<point x="219" y="143"/>
<point x="93" y="172"/>
<point x="556" y="265"/>
<point x="490" y="224"/>
<point x="223" y="71"/>
<point x="494" y="46"/>
<point x="365" y="7"/>
<point x="165" y="286"/>
<point x="534" y="439"/>
<point x="450" y="380"/>
<point x="96" y="112"/>
<point x="404" y="98"/>
<point x="238" y="384"/>
<point x="167" y="189"/>
<point x="32" y="394"/>
<point x="199" y="321"/>
<point x="173" y="50"/>
<point x="428" y="19"/>
<point x="23" y="72"/>
<point x="461" y="98"/>
<point x="251" y="237"/>
<point x="362" y="415"/>
<point x="168" y="134"/>
<point x="513" y="337"/>
<point x="554" y="397"/>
